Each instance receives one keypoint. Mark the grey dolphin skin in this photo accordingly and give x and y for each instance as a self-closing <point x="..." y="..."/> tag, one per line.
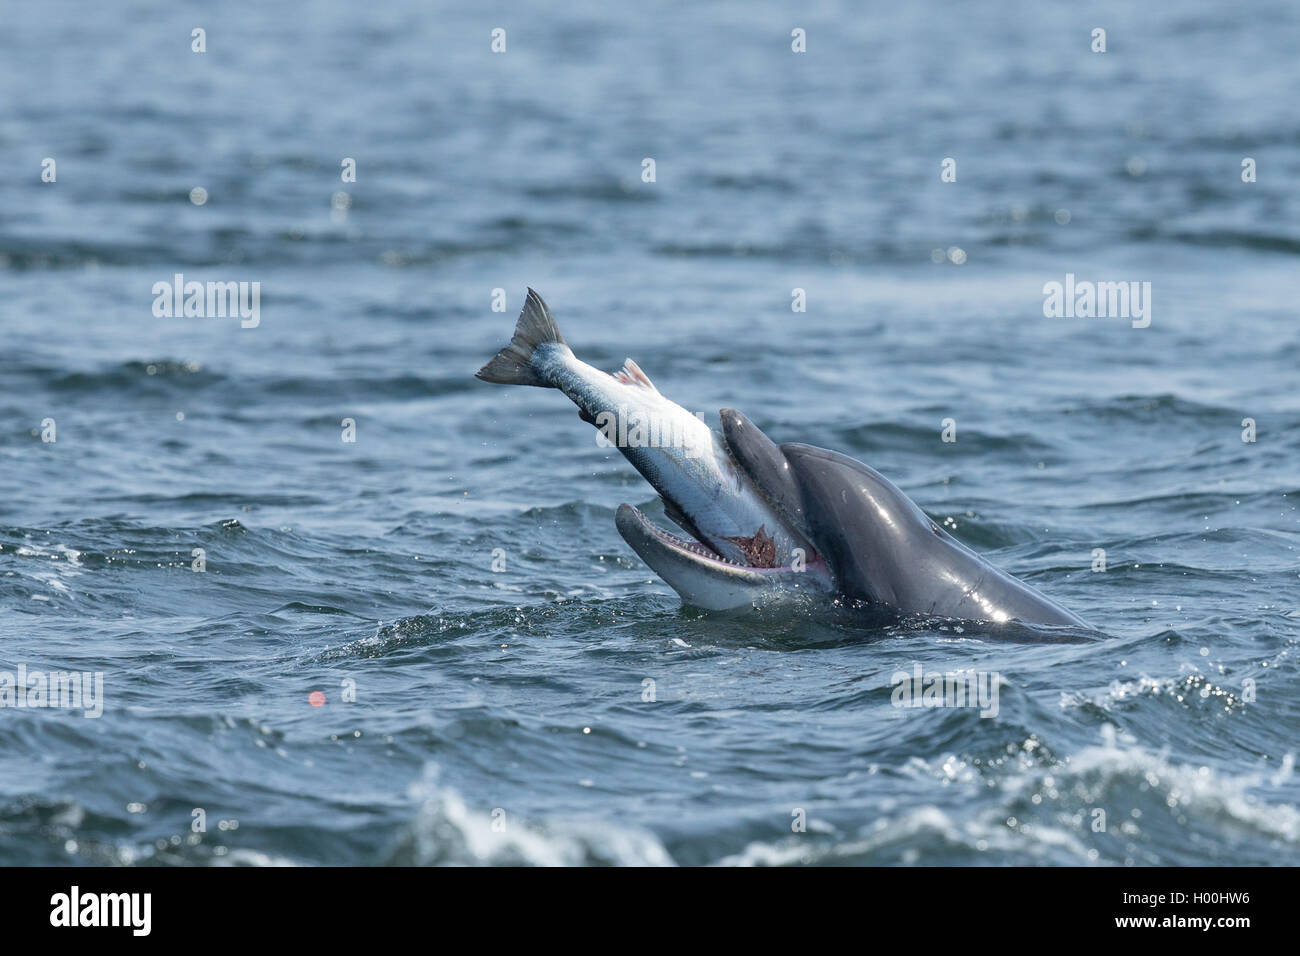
<point x="763" y="520"/>
<point x="882" y="547"/>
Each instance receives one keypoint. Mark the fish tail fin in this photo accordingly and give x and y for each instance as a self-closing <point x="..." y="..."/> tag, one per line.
<point x="513" y="365"/>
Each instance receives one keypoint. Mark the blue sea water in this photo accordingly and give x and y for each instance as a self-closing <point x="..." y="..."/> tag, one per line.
<point x="500" y="716"/>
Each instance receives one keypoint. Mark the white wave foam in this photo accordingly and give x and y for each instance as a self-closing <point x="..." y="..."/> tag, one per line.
<point x="446" y="831"/>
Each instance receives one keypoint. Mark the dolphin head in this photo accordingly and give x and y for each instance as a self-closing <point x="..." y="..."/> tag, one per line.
<point x="863" y="526"/>
<point x="854" y="534"/>
<point x="801" y="486"/>
<point x="878" y="546"/>
<point x="777" y="560"/>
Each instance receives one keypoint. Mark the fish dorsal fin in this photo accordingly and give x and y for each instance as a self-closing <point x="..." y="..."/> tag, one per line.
<point x="631" y="374"/>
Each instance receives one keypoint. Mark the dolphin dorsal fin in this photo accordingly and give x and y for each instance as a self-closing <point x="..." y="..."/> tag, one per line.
<point x="631" y="374"/>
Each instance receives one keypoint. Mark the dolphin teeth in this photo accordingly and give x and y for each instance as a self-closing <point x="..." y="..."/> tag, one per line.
<point x="695" y="547"/>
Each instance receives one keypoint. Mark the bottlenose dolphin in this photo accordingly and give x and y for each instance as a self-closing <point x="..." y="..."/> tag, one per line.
<point x="765" y="518"/>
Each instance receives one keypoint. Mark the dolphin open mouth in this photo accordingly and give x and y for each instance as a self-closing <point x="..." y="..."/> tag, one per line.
<point x="644" y="535"/>
<point x="707" y="579"/>
<point x="754" y="566"/>
<point x="693" y="560"/>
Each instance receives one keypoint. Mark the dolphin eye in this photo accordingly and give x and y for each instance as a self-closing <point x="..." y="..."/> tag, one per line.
<point x="935" y="528"/>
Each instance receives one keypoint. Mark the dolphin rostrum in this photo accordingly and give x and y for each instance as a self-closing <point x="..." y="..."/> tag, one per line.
<point x="763" y="518"/>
